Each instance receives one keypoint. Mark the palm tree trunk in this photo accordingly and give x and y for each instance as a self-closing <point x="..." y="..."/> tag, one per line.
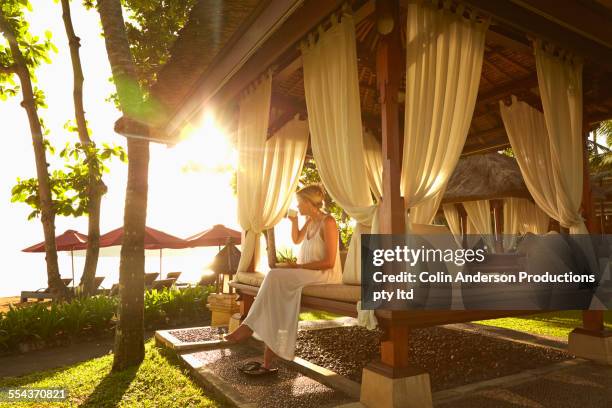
<point x="129" y="336"/>
<point x="96" y="185"/>
<point x="47" y="212"/>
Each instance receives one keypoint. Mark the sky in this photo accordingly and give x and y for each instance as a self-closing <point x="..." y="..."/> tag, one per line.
<point x="180" y="203"/>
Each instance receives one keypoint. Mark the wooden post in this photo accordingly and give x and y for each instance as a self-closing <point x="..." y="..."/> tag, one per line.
<point x="588" y="209"/>
<point x="498" y="217"/>
<point x="391" y="382"/>
<point x="591" y="341"/>
<point x="389" y="69"/>
<point x="592" y="320"/>
<point x="271" y="247"/>
<point x="602" y="217"/>
<point x="246" y="301"/>
<point x="464" y="222"/>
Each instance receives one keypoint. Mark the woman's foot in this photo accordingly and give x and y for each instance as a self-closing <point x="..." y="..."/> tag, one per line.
<point x="242" y="333"/>
<point x="256" y="369"/>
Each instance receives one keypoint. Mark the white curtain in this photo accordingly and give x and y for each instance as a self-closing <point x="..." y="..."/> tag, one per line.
<point x="560" y="85"/>
<point x="331" y="87"/>
<point x="544" y="175"/>
<point x="268" y="170"/>
<point x="373" y="160"/>
<point x="425" y="212"/>
<point x="522" y="216"/>
<point x="453" y="219"/>
<point x="479" y="216"/>
<point x="443" y="65"/>
<point x="512" y="221"/>
<point x="533" y="219"/>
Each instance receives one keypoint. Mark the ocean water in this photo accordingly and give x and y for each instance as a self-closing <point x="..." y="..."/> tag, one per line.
<point x="31" y="271"/>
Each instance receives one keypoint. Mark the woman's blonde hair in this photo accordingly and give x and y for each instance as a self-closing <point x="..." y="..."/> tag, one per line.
<point x="313" y="193"/>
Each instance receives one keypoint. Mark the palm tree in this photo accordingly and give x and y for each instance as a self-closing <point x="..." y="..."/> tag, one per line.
<point x="129" y="336"/>
<point x="96" y="187"/>
<point x="13" y="29"/>
<point x="601" y="162"/>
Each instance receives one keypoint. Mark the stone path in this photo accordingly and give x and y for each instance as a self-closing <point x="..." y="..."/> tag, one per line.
<point x="217" y="369"/>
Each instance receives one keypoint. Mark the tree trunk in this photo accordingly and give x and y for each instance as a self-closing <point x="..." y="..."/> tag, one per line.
<point x="47" y="212"/>
<point x="96" y="186"/>
<point x="129" y="336"/>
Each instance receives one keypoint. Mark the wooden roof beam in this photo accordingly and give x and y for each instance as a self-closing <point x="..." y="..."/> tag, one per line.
<point x="488" y="140"/>
<point x="526" y="82"/>
<point x="507" y="39"/>
<point x="278" y="27"/>
<point x="495" y="51"/>
<point x="485" y="148"/>
<point x="536" y="23"/>
<point x="359" y="15"/>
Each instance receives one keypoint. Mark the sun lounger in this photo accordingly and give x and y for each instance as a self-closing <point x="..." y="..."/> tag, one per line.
<point x="208" y="279"/>
<point x="42" y="293"/>
<point x="179" y="285"/>
<point x="150" y="278"/>
<point x="173" y="275"/>
<point x="163" y="283"/>
<point x="98" y="281"/>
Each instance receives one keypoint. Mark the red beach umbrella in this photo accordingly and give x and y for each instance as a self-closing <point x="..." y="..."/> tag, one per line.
<point x="70" y="240"/>
<point x="154" y="239"/>
<point x="217" y="235"/>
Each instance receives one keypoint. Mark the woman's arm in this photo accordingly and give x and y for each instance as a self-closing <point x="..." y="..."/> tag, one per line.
<point x="297" y="234"/>
<point x="330" y="236"/>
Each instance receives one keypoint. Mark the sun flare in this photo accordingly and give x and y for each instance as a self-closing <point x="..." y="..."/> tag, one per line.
<point x="206" y="148"/>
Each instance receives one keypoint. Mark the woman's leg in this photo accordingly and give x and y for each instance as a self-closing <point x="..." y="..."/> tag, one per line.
<point x="268" y="357"/>
<point x="273" y="317"/>
<point x="243" y="332"/>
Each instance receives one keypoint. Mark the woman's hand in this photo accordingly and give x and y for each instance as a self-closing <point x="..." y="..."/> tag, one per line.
<point x="293" y="265"/>
<point x="288" y="265"/>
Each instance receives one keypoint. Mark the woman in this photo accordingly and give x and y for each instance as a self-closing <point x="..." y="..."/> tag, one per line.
<point x="274" y="314"/>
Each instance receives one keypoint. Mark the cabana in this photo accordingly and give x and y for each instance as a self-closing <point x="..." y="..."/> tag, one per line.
<point x="487" y="195"/>
<point x="429" y="81"/>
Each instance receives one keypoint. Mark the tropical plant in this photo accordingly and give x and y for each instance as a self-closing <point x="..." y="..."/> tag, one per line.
<point x="94" y="186"/>
<point x="70" y="186"/>
<point x="133" y="64"/>
<point x="601" y="161"/>
<point x="129" y="340"/>
<point x="95" y="315"/>
<point x="21" y="54"/>
<point x="285" y="256"/>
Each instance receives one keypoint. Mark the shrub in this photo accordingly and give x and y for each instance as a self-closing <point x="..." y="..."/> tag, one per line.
<point x="162" y="306"/>
<point x="86" y="316"/>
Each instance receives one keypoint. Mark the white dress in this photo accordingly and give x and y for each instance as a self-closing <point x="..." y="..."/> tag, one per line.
<point x="273" y="317"/>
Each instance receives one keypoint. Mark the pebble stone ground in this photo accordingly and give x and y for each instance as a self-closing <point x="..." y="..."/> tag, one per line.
<point x="586" y="385"/>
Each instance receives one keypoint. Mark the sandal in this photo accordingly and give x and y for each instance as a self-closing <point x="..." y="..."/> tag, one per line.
<point x="255" y="368"/>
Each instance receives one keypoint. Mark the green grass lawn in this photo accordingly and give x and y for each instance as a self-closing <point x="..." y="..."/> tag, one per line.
<point x="157" y="382"/>
<point x="555" y="324"/>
